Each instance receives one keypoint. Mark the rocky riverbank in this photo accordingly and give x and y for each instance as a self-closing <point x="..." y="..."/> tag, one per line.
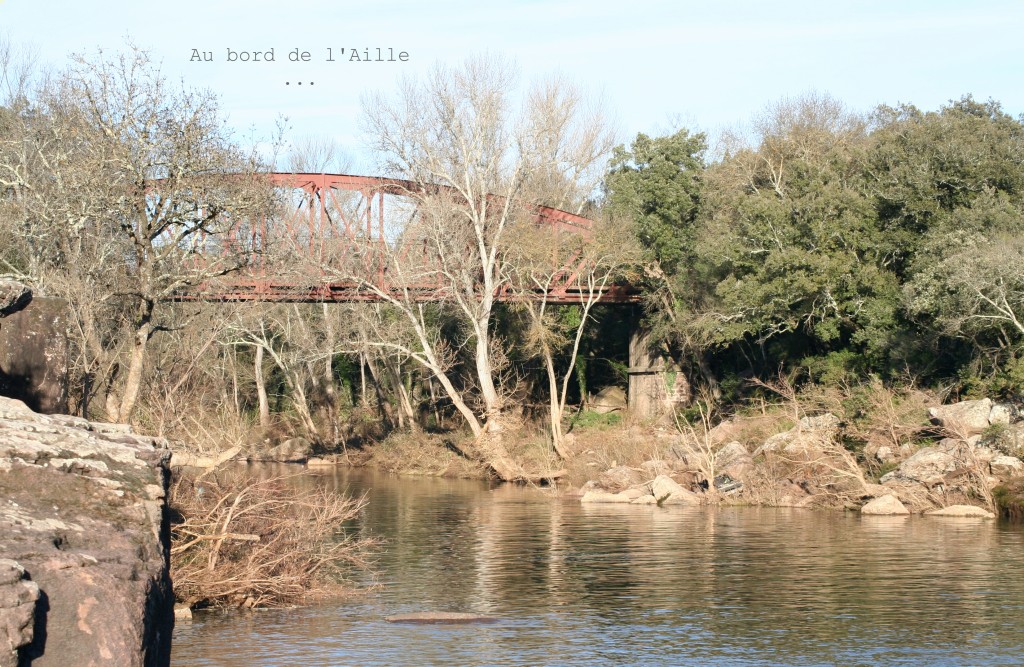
<point x="84" y="543"/>
<point x="949" y="465"/>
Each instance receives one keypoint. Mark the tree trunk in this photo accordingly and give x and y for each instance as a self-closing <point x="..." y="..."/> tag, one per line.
<point x="485" y="375"/>
<point x="136" y="366"/>
<point x="554" y="403"/>
<point x="261" y="388"/>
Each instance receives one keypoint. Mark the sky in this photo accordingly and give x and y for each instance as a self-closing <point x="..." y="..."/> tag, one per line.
<point x="653" y="65"/>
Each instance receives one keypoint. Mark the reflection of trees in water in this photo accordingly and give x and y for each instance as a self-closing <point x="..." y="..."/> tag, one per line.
<point x="583" y="584"/>
<point x="795" y="581"/>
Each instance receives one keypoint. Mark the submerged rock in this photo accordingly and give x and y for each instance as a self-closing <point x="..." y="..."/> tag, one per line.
<point x="599" y="496"/>
<point x="962" y="511"/>
<point x="441" y="617"/>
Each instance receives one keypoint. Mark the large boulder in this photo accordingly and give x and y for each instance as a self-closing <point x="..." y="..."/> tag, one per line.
<point x="619" y="478"/>
<point x="734" y="460"/>
<point x="884" y="506"/>
<point x="83" y="518"/>
<point x="963" y="419"/>
<point x="667" y="491"/>
<point x="1007" y="439"/>
<point x="1005" y="467"/>
<point x="34" y="355"/>
<point x="292" y="450"/>
<point x="609" y="399"/>
<point x="811" y="436"/>
<point x="929" y="465"/>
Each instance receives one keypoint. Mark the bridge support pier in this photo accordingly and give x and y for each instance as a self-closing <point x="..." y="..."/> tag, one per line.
<point x="656" y="384"/>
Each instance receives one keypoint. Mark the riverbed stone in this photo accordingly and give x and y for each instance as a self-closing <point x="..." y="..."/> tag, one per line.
<point x="884" y="505"/>
<point x="962" y="511"/>
<point x="84" y="516"/>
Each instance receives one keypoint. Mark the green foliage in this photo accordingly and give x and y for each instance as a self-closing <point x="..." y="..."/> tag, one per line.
<point x="656" y="183"/>
<point x="588" y="419"/>
<point x="1009" y="499"/>
<point x="848" y="246"/>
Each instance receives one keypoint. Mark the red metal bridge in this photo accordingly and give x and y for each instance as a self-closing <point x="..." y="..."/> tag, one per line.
<point x="338" y="241"/>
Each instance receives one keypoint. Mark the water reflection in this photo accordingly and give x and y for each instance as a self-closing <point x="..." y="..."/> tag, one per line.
<point x="621" y="585"/>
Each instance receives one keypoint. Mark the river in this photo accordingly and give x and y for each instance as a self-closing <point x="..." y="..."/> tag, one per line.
<point x="590" y="585"/>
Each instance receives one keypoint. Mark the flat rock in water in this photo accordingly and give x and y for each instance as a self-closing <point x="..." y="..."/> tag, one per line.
<point x="962" y="511"/>
<point x="440" y="617"/>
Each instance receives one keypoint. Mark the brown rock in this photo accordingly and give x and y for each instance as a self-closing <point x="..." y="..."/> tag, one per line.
<point x="84" y="514"/>
<point x="18" y="598"/>
<point x="34" y="355"/>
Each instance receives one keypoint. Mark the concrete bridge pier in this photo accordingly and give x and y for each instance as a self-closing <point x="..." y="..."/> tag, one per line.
<point x="657" y="386"/>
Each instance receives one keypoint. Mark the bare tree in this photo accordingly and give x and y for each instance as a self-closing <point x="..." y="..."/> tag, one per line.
<point x="552" y="264"/>
<point x="124" y="180"/>
<point x="479" y="168"/>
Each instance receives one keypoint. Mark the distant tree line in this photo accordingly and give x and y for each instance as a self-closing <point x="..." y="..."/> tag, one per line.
<point x="839" y="245"/>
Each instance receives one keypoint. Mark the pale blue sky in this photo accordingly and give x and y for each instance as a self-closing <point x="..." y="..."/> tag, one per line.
<point x="655" y="64"/>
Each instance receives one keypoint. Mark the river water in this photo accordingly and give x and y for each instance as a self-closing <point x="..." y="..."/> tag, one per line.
<point x="576" y="584"/>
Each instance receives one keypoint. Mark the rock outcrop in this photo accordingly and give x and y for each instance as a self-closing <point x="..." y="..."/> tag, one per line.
<point x="33" y="348"/>
<point x="84" y="543"/>
<point x="810" y="437"/>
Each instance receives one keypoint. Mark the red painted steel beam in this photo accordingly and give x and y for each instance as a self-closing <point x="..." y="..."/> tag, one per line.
<point x="313" y="212"/>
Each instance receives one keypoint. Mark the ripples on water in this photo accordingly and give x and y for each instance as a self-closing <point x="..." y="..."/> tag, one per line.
<point x="612" y="585"/>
